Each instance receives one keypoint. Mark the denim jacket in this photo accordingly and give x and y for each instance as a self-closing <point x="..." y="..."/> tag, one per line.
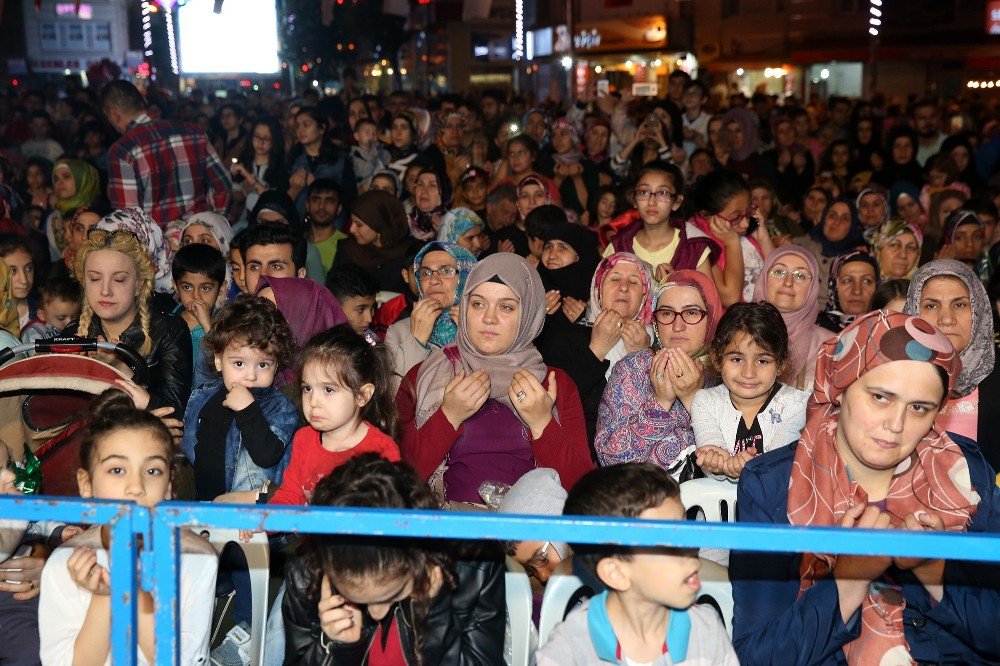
<point x="241" y="472"/>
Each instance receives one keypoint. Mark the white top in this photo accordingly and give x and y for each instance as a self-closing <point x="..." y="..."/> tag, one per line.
<point x="716" y="420"/>
<point x="62" y="605"/>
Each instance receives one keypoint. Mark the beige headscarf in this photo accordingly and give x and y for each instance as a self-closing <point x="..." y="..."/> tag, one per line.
<point x="442" y="366"/>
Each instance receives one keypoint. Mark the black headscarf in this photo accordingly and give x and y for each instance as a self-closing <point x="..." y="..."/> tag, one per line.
<point x="279" y="202"/>
<point x="573" y="280"/>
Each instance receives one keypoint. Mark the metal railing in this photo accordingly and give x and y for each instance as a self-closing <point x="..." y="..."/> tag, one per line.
<point x="151" y="536"/>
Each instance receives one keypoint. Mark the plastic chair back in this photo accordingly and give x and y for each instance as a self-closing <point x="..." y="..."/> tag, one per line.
<point x="258" y="555"/>
<point x="518" y="612"/>
<point x="715" y="586"/>
<point x="716" y="499"/>
<point x="559" y="590"/>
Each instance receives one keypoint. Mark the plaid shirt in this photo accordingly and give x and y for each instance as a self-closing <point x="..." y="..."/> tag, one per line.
<point x="167" y="168"/>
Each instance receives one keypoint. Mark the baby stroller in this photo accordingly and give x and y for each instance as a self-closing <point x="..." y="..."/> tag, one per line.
<point x="43" y="399"/>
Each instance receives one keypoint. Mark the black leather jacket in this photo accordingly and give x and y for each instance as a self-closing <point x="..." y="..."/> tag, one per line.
<point x="464" y="627"/>
<point x="170" y="360"/>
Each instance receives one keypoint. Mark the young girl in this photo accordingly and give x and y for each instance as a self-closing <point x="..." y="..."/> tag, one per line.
<point x="649" y="231"/>
<point x="751" y="411"/>
<point x="371" y="600"/>
<point x="348" y="401"/>
<point x="16" y="253"/>
<point x="125" y="455"/>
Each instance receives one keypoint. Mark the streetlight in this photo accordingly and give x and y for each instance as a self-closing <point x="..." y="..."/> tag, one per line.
<point x="567" y="62"/>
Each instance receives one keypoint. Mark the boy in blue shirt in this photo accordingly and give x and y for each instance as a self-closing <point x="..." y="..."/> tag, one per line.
<point x="199" y="271"/>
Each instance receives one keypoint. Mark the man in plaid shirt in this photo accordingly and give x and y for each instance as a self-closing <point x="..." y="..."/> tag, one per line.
<point x="167" y="168"/>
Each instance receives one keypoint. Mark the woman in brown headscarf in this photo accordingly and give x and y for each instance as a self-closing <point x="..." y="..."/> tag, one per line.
<point x="487" y="408"/>
<point x="380" y="241"/>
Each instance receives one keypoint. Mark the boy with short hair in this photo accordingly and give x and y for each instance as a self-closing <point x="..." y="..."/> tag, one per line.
<point x="198" y="271"/>
<point x="355" y="290"/>
<point x="61" y="299"/>
<point x="646" y="614"/>
<point x="367" y="153"/>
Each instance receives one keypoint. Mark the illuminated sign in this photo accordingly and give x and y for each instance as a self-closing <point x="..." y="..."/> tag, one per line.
<point x="587" y="39"/>
<point x="518" y="42"/>
<point x="86" y="12"/>
<point x="993" y="17"/>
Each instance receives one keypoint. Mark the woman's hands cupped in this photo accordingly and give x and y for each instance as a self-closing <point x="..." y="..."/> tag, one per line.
<point x="533" y="401"/>
<point x="553" y="301"/>
<point x="663" y="388"/>
<point x="606" y="333"/>
<point x="685" y="374"/>
<point x="464" y="395"/>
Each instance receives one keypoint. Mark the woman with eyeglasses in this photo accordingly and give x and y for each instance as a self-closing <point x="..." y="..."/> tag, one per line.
<point x="726" y="214"/>
<point x="440" y="270"/>
<point x="655" y="233"/>
<point x="790" y="283"/>
<point x="645" y="412"/>
<point x="839" y="230"/>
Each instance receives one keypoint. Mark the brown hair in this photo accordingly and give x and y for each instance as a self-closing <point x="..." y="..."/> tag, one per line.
<point x="255" y="322"/>
<point x="114" y="410"/>
<point x="354" y="362"/>
<point x="624" y="490"/>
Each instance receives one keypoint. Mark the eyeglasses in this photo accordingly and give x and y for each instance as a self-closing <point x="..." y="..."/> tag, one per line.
<point x="666" y="316"/>
<point x="799" y="276"/>
<point x="537" y="561"/>
<point x="444" y="272"/>
<point x="738" y="217"/>
<point x="662" y="195"/>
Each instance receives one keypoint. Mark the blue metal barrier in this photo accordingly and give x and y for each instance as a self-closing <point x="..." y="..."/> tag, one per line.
<point x="161" y="554"/>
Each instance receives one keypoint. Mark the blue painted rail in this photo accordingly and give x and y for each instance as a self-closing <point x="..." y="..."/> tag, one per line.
<point x="159" y="551"/>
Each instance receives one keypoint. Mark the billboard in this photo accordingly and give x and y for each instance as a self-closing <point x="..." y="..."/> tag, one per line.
<point x="243" y="39"/>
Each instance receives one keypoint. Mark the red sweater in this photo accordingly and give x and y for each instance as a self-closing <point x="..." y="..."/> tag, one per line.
<point x="562" y="446"/>
<point x="311" y="462"/>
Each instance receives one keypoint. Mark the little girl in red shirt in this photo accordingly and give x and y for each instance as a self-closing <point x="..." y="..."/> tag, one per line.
<point x="348" y="402"/>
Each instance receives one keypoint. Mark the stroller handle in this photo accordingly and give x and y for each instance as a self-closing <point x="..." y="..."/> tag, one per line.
<point x="73" y="345"/>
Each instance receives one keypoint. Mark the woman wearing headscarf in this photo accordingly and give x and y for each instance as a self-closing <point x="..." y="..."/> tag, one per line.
<point x="535" y="123"/>
<point x="574" y="177"/>
<point x="411" y="138"/>
<point x="463" y="227"/>
<point x="873" y="209"/>
<point x="839" y="231"/>
<point x="744" y="141"/>
<point x="140" y="225"/>
<point x="816" y="608"/>
<point x="432" y="196"/>
<point x="76" y="184"/>
<point x="901" y="150"/>
<point x="791" y="284"/>
<point x="645" y="413"/>
<point x="950" y="296"/>
<point x="440" y="270"/>
<point x="615" y="322"/>
<point x="959" y="148"/>
<point x="487" y="408"/>
<point x="379" y="239"/>
<point x="853" y="281"/>
<point x="897" y="249"/>
<point x="963" y="238"/>
<point x="309" y="308"/>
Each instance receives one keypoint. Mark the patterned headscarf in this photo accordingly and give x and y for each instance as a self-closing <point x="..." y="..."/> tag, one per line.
<point x="444" y="328"/>
<point x="574" y="155"/>
<point x="438" y="370"/>
<point x="422" y="222"/>
<point x="890" y="230"/>
<point x="219" y="227"/>
<point x="88" y="184"/>
<point x="833" y="311"/>
<point x="881" y="193"/>
<point x="594" y="305"/>
<point x="9" y="319"/>
<point x="142" y="226"/>
<point x="978" y="358"/>
<point x="956" y="219"/>
<point x="456" y="223"/>
<point x="934" y="477"/>
<point x="751" y="136"/>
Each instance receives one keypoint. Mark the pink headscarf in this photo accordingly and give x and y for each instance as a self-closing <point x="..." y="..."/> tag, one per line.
<point x="801" y="322"/>
<point x="309" y="308"/>
<point x="595" y="307"/>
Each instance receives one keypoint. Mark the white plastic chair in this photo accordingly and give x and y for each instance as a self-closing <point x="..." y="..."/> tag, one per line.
<point x="258" y="555"/>
<point x="518" y="612"/>
<point x="559" y="589"/>
<point x="715" y="585"/>
<point x="710" y="496"/>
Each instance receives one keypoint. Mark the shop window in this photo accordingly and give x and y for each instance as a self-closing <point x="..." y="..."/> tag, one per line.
<point x="49" y="36"/>
<point x="102" y="37"/>
<point x="75" y="37"/>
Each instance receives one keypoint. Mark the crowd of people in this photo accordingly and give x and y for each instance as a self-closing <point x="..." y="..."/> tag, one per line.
<point x="490" y="303"/>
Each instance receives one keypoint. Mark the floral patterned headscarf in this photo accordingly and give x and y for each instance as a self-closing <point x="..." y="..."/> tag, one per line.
<point x="444" y="328"/>
<point x="142" y="226"/>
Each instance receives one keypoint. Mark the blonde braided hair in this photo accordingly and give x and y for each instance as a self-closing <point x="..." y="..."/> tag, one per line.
<point x="126" y="243"/>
